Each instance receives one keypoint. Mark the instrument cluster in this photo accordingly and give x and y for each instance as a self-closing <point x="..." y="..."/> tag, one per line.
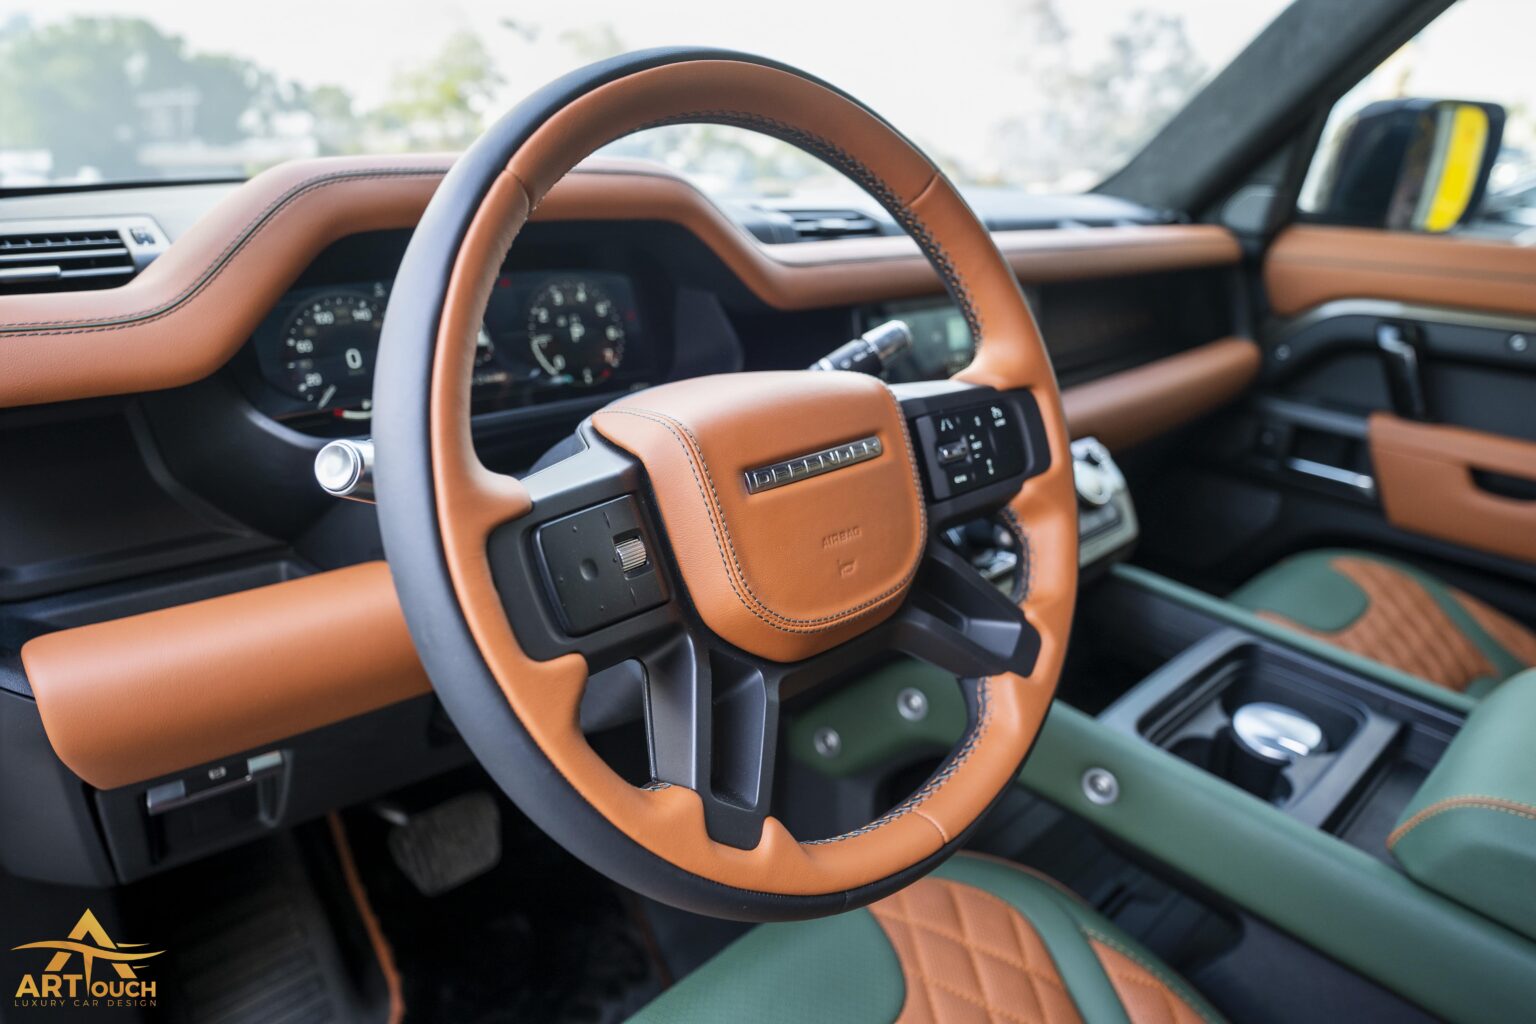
<point x="546" y="335"/>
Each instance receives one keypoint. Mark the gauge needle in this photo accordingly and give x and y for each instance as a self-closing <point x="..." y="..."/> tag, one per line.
<point x="325" y="399"/>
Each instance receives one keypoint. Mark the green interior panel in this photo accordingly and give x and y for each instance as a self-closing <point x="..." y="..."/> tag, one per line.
<point x="840" y="968"/>
<point x="1455" y="963"/>
<point x="1335" y="898"/>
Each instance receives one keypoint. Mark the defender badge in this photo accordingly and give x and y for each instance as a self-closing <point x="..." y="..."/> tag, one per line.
<point x="765" y="478"/>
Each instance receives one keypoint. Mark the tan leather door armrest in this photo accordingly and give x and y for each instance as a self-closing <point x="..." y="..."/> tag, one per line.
<point x="1424" y="477"/>
<point x="1124" y="409"/>
<point x="135" y="698"/>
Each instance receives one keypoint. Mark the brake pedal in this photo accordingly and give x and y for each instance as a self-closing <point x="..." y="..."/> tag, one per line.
<point x="445" y="846"/>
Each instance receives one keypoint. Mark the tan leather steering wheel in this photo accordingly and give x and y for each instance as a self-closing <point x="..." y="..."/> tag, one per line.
<point x="753" y="587"/>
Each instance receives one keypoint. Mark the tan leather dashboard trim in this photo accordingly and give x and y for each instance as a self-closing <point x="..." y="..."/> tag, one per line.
<point x="1309" y="265"/>
<point x="1424" y="477"/>
<point x="135" y="698"/>
<point x="1126" y="408"/>
<point x="192" y="309"/>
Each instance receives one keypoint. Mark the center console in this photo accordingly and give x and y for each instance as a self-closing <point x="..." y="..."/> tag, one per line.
<point x="1329" y="747"/>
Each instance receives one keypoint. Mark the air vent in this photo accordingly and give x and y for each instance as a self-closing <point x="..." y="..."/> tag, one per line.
<point x="37" y="257"/>
<point x="813" y="225"/>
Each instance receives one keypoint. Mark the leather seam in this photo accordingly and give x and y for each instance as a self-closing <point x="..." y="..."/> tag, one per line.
<point x="1515" y="808"/>
<point x="735" y="571"/>
<point x="959" y="939"/>
<point x="219" y="263"/>
<point x="933" y="785"/>
<point x="1026" y="553"/>
<point x="1097" y="936"/>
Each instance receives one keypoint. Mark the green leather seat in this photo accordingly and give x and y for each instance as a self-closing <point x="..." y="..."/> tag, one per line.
<point x="1394" y="614"/>
<point x="977" y="940"/>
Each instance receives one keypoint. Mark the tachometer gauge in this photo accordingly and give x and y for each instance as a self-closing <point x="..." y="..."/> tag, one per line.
<point x="328" y="348"/>
<point x="576" y="332"/>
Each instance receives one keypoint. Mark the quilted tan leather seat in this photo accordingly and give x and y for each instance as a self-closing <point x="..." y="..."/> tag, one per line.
<point x="979" y="941"/>
<point x="1395" y="614"/>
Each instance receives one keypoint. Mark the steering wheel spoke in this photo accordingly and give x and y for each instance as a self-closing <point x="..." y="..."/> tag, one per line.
<point x="712" y="723"/>
<point x="957" y="620"/>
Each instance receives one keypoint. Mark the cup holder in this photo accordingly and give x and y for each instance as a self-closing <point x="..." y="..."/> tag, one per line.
<point x="1227" y="757"/>
<point x="1293" y="727"/>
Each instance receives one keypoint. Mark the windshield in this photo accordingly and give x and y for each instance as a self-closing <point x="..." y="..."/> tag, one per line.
<point x="1042" y="95"/>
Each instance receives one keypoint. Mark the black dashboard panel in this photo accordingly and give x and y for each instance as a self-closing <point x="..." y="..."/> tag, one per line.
<point x="574" y="316"/>
<point x="547" y="335"/>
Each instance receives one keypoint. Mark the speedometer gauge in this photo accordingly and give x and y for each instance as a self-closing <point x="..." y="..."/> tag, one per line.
<point x="329" y="345"/>
<point x="576" y="332"/>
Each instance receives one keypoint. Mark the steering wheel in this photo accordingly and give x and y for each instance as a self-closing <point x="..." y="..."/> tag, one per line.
<point x="735" y="539"/>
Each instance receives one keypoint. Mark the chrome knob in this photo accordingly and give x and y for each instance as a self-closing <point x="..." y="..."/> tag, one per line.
<point x="631" y="554"/>
<point x="1276" y="731"/>
<point x="344" y="468"/>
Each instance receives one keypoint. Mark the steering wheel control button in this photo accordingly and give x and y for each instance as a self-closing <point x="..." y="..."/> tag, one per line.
<point x="953" y="451"/>
<point x="804" y="467"/>
<point x="912" y="704"/>
<point x="631" y="554"/>
<point x="1100" y="786"/>
<point x="597" y="566"/>
<point x="345" y="469"/>
<point x="968" y="448"/>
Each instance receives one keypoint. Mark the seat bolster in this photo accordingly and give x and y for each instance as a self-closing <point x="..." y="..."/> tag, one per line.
<point x="1394" y="614"/>
<point x="1469" y="833"/>
<point x="979" y="939"/>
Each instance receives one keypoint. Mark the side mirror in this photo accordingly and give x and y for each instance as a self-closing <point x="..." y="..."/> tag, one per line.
<point x="1418" y="165"/>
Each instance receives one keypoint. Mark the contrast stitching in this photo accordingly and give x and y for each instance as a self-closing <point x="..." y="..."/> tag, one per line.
<point x="726" y="545"/>
<point x="1170" y="984"/>
<point x="922" y="515"/>
<point x="934" y="784"/>
<point x="1480" y="803"/>
<point x="859" y="172"/>
<point x="220" y="262"/>
<point x="919" y="963"/>
<point x="1026" y="552"/>
<point x="959" y="939"/>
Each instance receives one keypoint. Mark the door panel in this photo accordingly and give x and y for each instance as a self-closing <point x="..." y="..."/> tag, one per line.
<point x="1310" y="264"/>
<point x="1444" y="481"/>
<point x="1380" y="423"/>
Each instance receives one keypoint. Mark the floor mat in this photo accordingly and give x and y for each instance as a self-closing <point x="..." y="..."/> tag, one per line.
<point x="539" y="937"/>
<point x="250" y="939"/>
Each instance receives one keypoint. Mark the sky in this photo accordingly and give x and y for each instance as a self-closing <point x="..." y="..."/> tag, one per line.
<point x="935" y="78"/>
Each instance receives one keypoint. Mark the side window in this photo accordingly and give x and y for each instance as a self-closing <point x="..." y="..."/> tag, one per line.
<point x="1441" y="137"/>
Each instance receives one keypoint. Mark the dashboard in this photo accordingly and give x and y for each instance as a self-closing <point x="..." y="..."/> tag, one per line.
<point x="547" y="334"/>
<point x="161" y="455"/>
